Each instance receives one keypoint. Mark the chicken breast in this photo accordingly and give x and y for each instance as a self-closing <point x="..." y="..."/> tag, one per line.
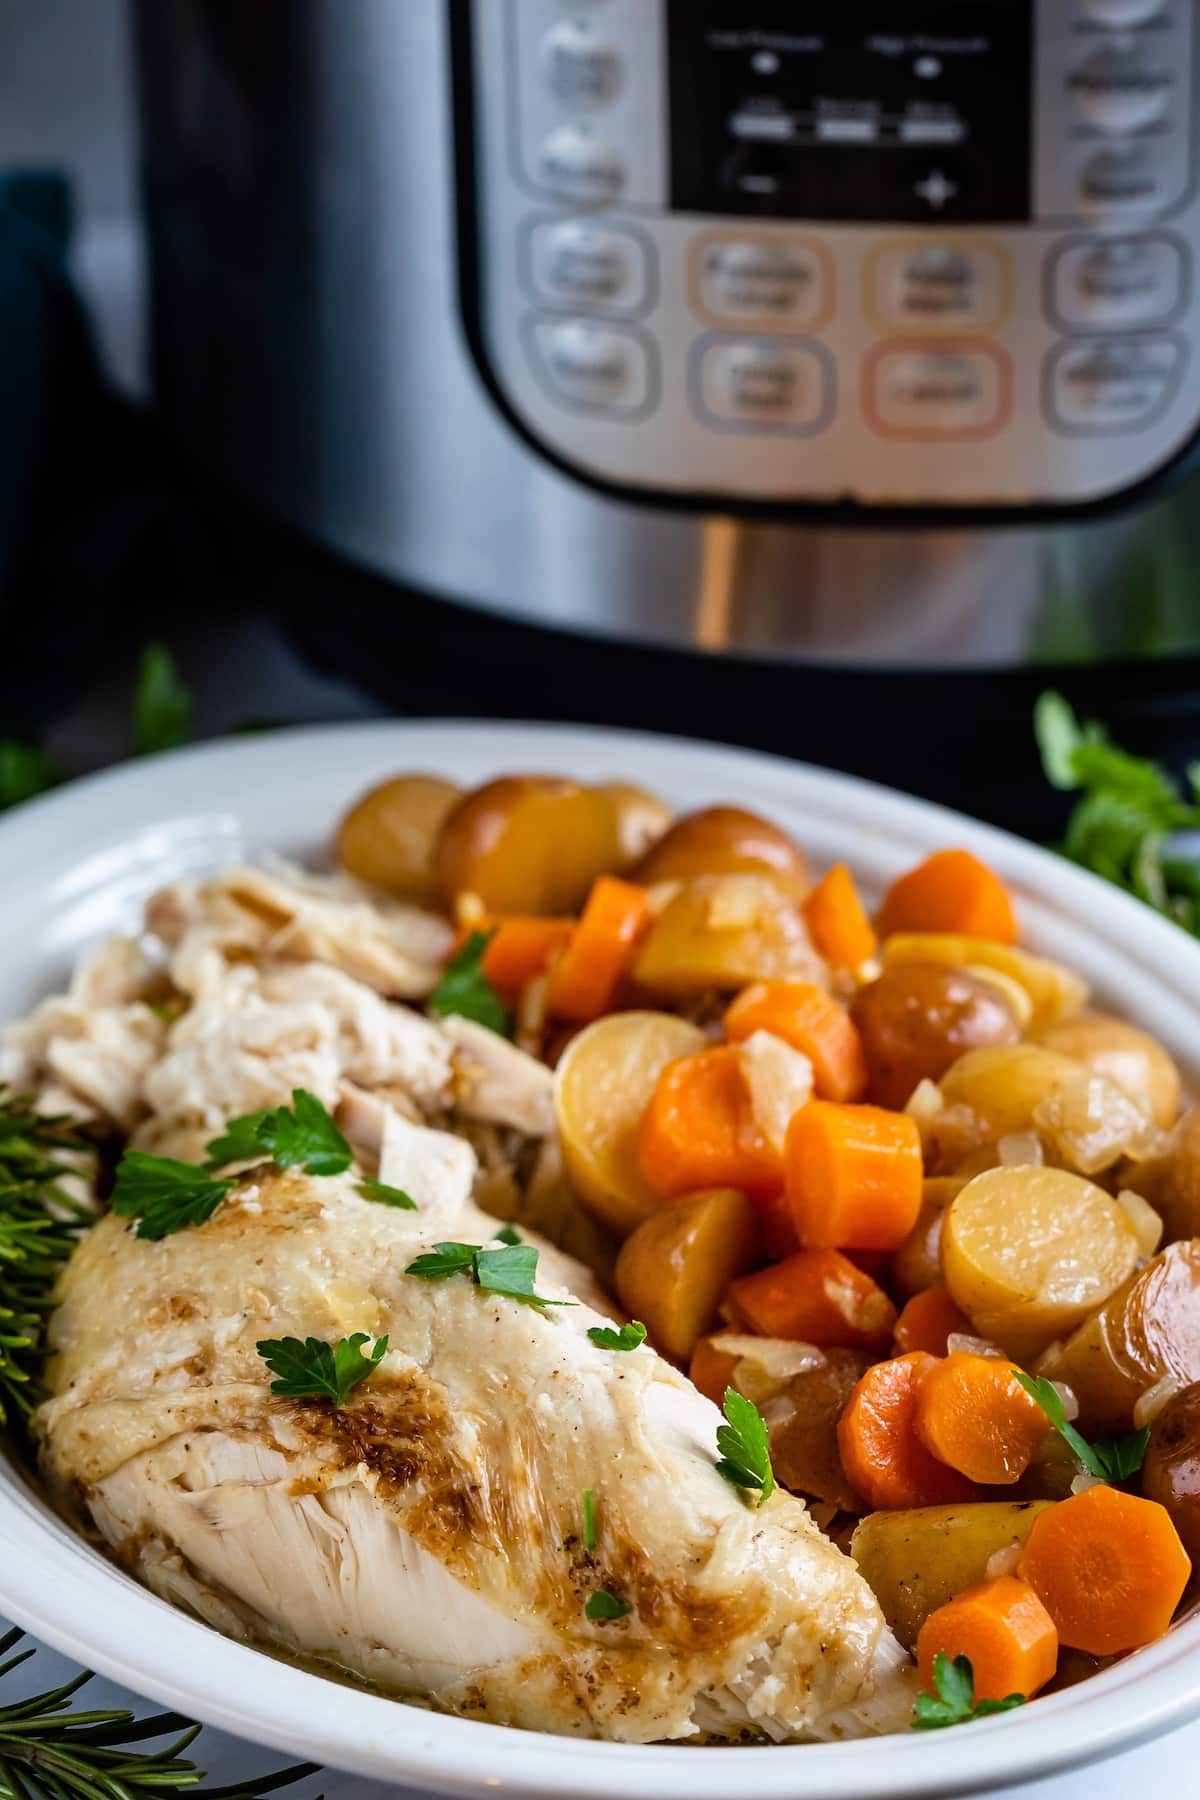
<point x="428" y="1535"/>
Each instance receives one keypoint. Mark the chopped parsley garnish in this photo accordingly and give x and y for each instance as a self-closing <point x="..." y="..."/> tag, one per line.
<point x="308" y="1368"/>
<point x="163" y="1195"/>
<point x="1113" y="1458"/>
<point x="629" y="1337"/>
<point x="511" y="1270"/>
<point x="508" y="1234"/>
<point x="955" y="1702"/>
<point x="466" y="991"/>
<point x="302" y="1135"/>
<point x="604" y="1606"/>
<point x="25" y="772"/>
<point x="589" y="1519"/>
<point x="745" y="1454"/>
<point x="162" y="705"/>
<point x="383" y="1195"/>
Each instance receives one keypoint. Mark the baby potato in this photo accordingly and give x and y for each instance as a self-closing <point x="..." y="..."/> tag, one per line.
<point x="726" y="931"/>
<point x="1135" y="1061"/>
<point x="641" y="819"/>
<point x="802" y="1425"/>
<point x="675" y="1266"/>
<point x="917" y="1560"/>
<point x="999" y="1092"/>
<point x="1148" y="1329"/>
<point x="387" y="839"/>
<point x="725" y="840"/>
<point x="1055" y="992"/>
<point x="1171" y="1182"/>
<point x="527" y="844"/>
<point x="1171" y="1471"/>
<point x="918" y="1018"/>
<point x="601" y="1085"/>
<point x="917" y="1263"/>
<point x="1028" y="1253"/>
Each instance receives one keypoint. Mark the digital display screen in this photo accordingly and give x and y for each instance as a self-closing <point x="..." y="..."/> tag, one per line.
<point x="854" y="110"/>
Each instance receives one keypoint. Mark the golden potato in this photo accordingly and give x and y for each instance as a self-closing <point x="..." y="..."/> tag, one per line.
<point x="601" y="1085"/>
<point x="1171" y="1182"/>
<point x="918" y="1018"/>
<point x="527" y="844"/>
<point x="1132" y="1058"/>
<point x="1171" y="1471"/>
<point x="725" y="840"/>
<point x="387" y="839"/>
<point x="915" y="1561"/>
<point x="641" y="819"/>
<point x="675" y="1266"/>
<point x="1055" y="992"/>
<point x="1028" y="1253"/>
<point x="726" y="931"/>
<point x="1148" y="1329"/>
<point x="917" y="1263"/>
<point x="803" y="1429"/>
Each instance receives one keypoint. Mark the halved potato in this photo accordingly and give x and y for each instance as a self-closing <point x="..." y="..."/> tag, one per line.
<point x="675" y="1266"/>
<point x="641" y="818"/>
<point x="917" y="1263"/>
<point x="725" y="840"/>
<point x="388" y="838"/>
<point x="603" y="1081"/>
<point x="724" y="932"/>
<point x="1055" y="992"/>
<point x="1122" y="1053"/>
<point x="528" y="844"/>
<point x="1028" y="1253"/>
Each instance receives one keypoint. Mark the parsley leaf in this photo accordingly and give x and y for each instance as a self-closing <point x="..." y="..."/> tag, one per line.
<point x="383" y="1195"/>
<point x="466" y="991"/>
<point x="311" y="1369"/>
<point x="163" y="1195"/>
<point x="302" y="1135"/>
<point x="628" y="1338"/>
<point x="604" y="1606"/>
<point x="162" y="706"/>
<point x="25" y="772"/>
<point x="1109" y="1459"/>
<point x="1126" y="822"/>
<point x="511" y="1270"/>
<point x="509" y="1234"/>
<point x="745" y="1454"/>
<point x="955" y="1702"/>
<point x="589" y="1519"/>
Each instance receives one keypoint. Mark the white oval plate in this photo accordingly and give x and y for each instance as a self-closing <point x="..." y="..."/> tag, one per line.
<point x="77" y="864"/>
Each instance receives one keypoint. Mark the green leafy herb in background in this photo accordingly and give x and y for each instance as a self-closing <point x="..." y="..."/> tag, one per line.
<point x="39" y="1226"/>
<point x="51" y="1751"/>
<point x="25" y="772"/>
<point x="465" y="990"/>
<point x="745" y="1453"/>
<point x="165" y="1196"/>
<point x="955" y="1702"/>
<point x="162" y="705"/>
<point x="1113" y="1458"/>
<point x="603" y="1607"/>
<point x="1127" y="823"/>
<point x="508" y="1234"/>
<point x="312" y="1369"/>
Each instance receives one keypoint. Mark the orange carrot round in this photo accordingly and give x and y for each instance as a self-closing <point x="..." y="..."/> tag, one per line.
<point x="974" y="1415"/>
<point x="699" y="1131"/>
<point x="810" y="1020"/>
<point x="928" y="1320"/>
<point x="882" y="1455"/>
<point x="519" y="950"/>
<point x="1108" y="1567"/>
<point x="817" y="1297"/>
<point x="585" y="979"/>
<point x="1003" y="1628"/>
<point x="711" y="1370"/>
<point x="951" y="891"/>
<point x="837" y="920"/>
<point x="854" y="1176"/>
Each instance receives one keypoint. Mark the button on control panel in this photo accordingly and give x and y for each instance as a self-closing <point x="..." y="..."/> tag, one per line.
<point x="1114" y="385"/>
<point x="767" y="283"/>
<point x="941" y="285"/>
<point x="763" y="385"/>
<point x="589" y="263"/>
<point x="937" y="392"/>
<point x="1097" y="283"/>
<point x="596" y="368"/>
<point x="582" y="67"/>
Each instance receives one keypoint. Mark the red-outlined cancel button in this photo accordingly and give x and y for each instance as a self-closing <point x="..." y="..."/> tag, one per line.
<point x="940" y="390"/>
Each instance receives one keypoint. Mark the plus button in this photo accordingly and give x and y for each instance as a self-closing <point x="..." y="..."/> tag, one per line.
<point x="936" y="189"/>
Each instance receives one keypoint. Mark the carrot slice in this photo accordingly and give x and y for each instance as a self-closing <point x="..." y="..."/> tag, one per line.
<point x="837" y="920"/>
<point x="585" y="978"/>
<point x="881" y="1453"/>
<point x="818" y="1297"/>
<point x="1003" y="1628"/>
<point x="699" y="1130"/>
<point x="810" y="1020"/>
<point x="519" y="950"/>
<point x="974" y="1415"/>
<point x="854" y="1176"/>
<point x="711" y="1370"/>
<point x="1108" y="1567"/>
<point x="928" y="1320"/>
<point x="950" y="891"/>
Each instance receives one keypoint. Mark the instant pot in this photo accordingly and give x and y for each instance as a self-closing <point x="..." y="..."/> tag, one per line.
<point x="824" y="340"/>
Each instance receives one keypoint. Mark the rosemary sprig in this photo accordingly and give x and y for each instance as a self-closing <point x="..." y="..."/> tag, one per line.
<point x="39" y="1224"/>
<point x="48" y="1751"/>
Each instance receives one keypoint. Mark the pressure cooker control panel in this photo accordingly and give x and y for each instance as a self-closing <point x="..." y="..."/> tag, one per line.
<point x="788" y="253"/>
